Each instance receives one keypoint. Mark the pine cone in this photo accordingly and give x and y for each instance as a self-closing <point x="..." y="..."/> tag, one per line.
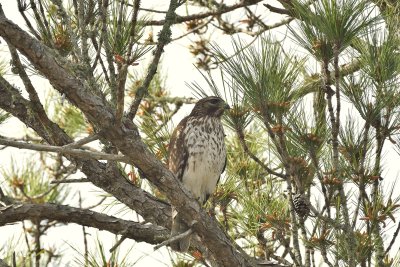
<point x="300" y="205"/>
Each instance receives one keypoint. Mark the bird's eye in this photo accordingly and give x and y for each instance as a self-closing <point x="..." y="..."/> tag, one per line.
<point x="214" y="101"/>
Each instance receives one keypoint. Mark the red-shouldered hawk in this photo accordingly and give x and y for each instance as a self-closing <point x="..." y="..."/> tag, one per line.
<point x="197" y="156"/>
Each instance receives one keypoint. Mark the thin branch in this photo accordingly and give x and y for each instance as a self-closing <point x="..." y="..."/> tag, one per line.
<point x="33" y="96"/>
<point x="163" y="39"/>
<point x="97" y="204"/>
<point x="85" y="243"/>
<point x="329" y="220"/>
<point x="22" y="7"/>
<point x="148" y="233"/>
<point x="395" y="234"/>
<point x="82" y="141"/>
<point x="123" y="70"/>
<point x="107" y="47"/>
<point x="224" y="9"/>
<point x="278" y="10"/>
<point x="195" y="29"/>
<point x="83" y="34"/>
<point x="174" y="238"/>
<point x="63" y="150"/>
<point x="119" y="242"/>
<point x="70" y="181"/>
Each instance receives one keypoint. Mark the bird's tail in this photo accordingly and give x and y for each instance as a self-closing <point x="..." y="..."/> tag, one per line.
<point x="179" y="227"/>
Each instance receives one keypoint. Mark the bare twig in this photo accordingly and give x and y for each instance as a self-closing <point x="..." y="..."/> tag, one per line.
<point x="82" y="141"/>
<point x="71" y="151"/>
<point x="26" y="81"/>
<point x="107" y="47"/>
<point x="85" y="244"/>
<point x="22" y="7"/>
<point x="97" y="204"/>
<point x="224" y="9"/>
<point x="395" y="234"/>
<point x="278" y="10"/>
<point x="119" y="242"/>
<point x="174" y="238"/>
<point x="70" y="181"/>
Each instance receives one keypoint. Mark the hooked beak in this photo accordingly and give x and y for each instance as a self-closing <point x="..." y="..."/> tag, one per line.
<point x="227" y="106"/>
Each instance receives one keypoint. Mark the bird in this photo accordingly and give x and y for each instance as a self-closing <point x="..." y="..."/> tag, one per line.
<point x="197" y="157"/>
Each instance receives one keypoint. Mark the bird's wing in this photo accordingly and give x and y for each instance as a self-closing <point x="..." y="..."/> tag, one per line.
<point x="178" y="152"/>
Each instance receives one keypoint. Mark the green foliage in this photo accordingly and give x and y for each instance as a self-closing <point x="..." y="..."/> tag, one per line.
<point x="380" y="58"/>
<point x="3" y="116"/>
<point x="97" y="257"/>
<point x="120" y="31"/>
<point x="251" y="205"/>
<point x="67" y="116"/>
<point x="330" y="25"/>
<point x="30" y="183"/>
<point x="155" y="115"/>
<point x="264" y="75"/>
<point x="3" y="67"/>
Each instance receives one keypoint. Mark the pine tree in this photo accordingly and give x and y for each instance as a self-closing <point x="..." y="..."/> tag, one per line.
<point x="312" y="135"/>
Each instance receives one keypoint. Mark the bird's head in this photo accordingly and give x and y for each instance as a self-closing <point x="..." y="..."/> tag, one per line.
<point x="210" y="106"/>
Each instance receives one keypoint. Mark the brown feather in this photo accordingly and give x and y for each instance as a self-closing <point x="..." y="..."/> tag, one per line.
<point x="197" y="156"/>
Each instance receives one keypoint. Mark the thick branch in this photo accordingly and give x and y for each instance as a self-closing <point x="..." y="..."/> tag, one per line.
<point x="152" y="209"/>
<point x="148" y="233"/>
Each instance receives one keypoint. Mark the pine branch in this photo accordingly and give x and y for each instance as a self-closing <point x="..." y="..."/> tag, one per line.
<point x="148" y="233"/>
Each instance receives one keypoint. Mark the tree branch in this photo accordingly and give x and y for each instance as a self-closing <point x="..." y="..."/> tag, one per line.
<point x="65" y="150"/>
<point x="82" y="141"/>
<point x="148" y="233"/>
<point x="224" y="9"/>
